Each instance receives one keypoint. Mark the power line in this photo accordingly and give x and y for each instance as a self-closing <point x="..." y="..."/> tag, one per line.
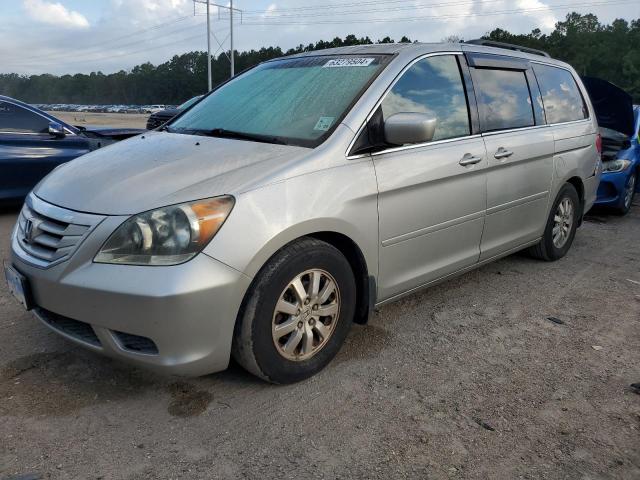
<point x="332" y="6"/>
<point x="126" y="54"/>
<point x="89" y="54"/>
<point x="386" y="8"/>
<point x="143" y="50"/>
<point x="109" y="42"/>
<point x="326" y="6"/>
<point x="439" y="17"/>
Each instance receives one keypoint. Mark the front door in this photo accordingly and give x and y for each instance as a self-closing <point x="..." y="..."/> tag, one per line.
<point x="432" y="196"/>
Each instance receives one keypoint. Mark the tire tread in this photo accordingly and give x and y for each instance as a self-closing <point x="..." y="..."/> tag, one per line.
<point x="242" y="347"/>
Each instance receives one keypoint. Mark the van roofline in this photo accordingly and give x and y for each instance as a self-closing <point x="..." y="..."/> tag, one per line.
<point x="418" y="48"/>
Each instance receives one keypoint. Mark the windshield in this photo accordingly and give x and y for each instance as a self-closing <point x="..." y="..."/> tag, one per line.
<point x="297" y="101"/>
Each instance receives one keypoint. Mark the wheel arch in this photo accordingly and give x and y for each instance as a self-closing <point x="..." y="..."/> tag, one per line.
<point x="578" y="184"/>
<point x="365" y="283"/>
<point x="364" y="270"/>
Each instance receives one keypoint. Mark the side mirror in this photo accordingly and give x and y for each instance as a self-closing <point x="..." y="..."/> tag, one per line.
<point x="406" y="128"/>
<point x="56" y="130"/>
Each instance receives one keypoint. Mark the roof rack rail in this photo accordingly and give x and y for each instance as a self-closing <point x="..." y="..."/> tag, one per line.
<point x="508" y="46"/>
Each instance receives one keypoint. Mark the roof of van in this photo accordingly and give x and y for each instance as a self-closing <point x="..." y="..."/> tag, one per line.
<point x="415" y="49"/>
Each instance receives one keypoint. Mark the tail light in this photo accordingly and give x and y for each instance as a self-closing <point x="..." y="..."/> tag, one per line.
<point x="599" y="149"/>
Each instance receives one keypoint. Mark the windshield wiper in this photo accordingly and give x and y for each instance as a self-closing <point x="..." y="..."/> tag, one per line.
<point x="255" y="137"/>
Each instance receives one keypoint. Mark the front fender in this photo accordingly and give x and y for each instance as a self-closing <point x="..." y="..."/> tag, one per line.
<point x="341" y="199"/>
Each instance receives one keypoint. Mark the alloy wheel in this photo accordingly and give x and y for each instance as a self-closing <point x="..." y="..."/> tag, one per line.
<point x="628" y="191"/>
<point x="306" y="315"/>
<point x="563" y="222"/>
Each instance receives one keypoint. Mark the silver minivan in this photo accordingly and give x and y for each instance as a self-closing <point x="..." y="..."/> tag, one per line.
<point x="302" y="194"/>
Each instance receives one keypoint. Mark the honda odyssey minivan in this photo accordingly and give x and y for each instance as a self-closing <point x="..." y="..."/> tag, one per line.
<point x="302" y="194"/>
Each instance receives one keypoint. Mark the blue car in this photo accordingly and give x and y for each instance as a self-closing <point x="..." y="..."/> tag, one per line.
<point x="619" y="123"/>
<point x="32" y="143"/>
<point x="619" y="182"/>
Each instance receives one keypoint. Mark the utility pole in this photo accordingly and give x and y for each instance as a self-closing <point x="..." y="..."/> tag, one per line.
<point x="209" y="84"/>
<point x="231" y="38"/>
<point x="231" y="9"/>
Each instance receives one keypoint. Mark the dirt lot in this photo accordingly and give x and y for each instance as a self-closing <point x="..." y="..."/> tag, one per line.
<point x="128" y="120"/>
<point x="466" y="380"/>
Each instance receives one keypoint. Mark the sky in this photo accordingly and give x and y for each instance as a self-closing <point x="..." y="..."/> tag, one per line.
<point x="81" y="36"/>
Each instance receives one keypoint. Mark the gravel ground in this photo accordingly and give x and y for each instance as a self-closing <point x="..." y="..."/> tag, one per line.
<point x="469" y="379"/>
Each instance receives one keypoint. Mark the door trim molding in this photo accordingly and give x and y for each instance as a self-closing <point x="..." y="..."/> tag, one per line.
<point x="517" y="203"/>
<point x="433" y="228"/>
<point x="462" y="271"/>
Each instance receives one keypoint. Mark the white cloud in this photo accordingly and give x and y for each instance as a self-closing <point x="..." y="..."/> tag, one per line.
<point x="55" y="14"/>
<point x="541" y="12"/>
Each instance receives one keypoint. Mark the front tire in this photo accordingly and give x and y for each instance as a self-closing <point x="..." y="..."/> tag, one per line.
<point x="561" y="226"/>
<point x="628" y="194"/>
<point x="297" y="312"/>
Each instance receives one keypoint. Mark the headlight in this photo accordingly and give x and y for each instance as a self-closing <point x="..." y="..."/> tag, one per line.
<point x="166" y="236"/>
<point x="615" y="165"/>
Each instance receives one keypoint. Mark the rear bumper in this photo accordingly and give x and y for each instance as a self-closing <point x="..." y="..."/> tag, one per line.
<point x="186" y="311"/>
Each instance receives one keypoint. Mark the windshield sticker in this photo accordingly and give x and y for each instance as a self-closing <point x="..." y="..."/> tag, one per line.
<point x="324" y="123"/>
<point x="348" y="62"/>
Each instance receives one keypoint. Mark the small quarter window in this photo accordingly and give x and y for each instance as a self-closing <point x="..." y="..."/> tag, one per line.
<point x="504" y="101"/>
<point x="432" y="86"/>
<point x="562" y="99"/>
<point x="16" y="119"/>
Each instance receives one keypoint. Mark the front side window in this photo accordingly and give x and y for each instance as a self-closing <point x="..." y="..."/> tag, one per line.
<point x="15" y="119"/>
<point x="296" y="101"/>
<point x="504" y="101"/>
<point x="562" y="99"/>
<point x="432" y="86"/>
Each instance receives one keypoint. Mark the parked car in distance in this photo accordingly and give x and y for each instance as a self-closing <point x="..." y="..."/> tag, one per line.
<point x="33" y="143"/>
<point x="163" y="116"/>
<point x="291" y="201"/>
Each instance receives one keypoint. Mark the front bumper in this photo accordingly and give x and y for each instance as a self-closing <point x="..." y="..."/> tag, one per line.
<point x="611" y="188"/>
<point x="188" y="311"/>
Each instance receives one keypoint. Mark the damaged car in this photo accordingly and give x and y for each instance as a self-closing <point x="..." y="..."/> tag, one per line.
<point x="33" y="143"/>
<point x="619" y="123"/>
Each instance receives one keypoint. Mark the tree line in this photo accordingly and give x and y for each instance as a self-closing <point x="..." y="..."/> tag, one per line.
<point x="610" y="51"/>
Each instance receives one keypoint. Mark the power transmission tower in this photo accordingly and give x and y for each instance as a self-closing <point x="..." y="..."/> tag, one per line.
<point x="231" y="10"/>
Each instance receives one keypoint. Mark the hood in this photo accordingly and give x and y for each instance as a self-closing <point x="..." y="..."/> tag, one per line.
<point x="110" y="132"/>
<point x="160" y="168"/>
<point x="168" y="113"/>
<point x="613" y="106"/>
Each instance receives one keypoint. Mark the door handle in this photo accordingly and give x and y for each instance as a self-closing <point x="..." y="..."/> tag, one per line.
<point x="503" y="153"/>
<point x="469" y="159"/>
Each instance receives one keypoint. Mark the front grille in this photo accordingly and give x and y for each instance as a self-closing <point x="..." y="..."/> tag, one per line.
<point x="48" y="234"/>
<point x="136" y="343"/>
<point x="74" y="328"/>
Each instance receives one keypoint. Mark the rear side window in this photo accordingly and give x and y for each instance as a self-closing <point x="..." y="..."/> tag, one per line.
<point x="561" y="96"/>
<point x="504" y="101"/>
<point x="15" y="119"/>
<point x="432" y="86"/>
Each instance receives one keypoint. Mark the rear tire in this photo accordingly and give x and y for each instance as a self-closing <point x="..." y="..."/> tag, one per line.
<point x="297" y="312"/>
<point x="561" y="226"/>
